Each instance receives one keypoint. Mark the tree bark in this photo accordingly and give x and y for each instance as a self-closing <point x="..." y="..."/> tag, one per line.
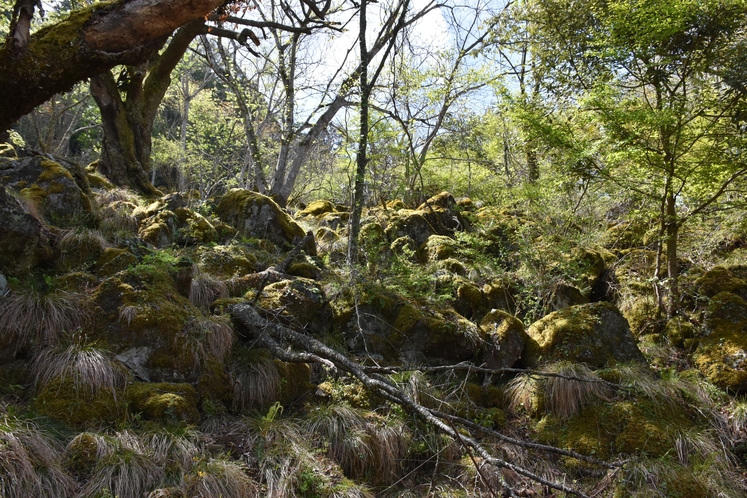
<point x="128" y="121"/>
<point x="88" y="42"/>
<point x="672" y="268"/>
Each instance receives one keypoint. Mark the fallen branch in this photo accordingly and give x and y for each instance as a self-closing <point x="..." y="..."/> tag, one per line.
<point x="271" y="335"/>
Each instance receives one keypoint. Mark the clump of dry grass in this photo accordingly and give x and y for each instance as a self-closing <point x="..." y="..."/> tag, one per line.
<point x="218" y="477"/>
<point x="204" y="289"/>
<point x="363" y="444"/>
<point x="256" y="383"/>
<point x="116" y="210"/>
<point x="126" y="469"/>
<point x="75" y="241"/>
<point x="206" y="338"/>
<point x="87" y="365"/>
<point x="578" y="385"/>
<point x="30" y="462"/>
<point x="30" y="316"/>
<point x="564" y="392"/>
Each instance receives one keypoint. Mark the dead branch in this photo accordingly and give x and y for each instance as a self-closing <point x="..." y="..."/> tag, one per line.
<point x="272" y="335"/>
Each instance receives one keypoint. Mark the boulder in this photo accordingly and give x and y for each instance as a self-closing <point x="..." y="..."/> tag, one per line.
<point x="506" y="339"/>
<point x="164" y="402"/>
<point x="596" y="334"/>
<point x="721" y="355"/>
<point x="258" y="216"/>
<point x="436" y="216"/>
<point x="24" y="240"/>
<point x="52" y="188"/>
<point x="300" y="303"/>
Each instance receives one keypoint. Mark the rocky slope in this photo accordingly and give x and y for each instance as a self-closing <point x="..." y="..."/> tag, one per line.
<point x="123" y="372"/>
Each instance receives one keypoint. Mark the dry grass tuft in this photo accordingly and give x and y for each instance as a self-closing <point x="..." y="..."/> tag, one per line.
<point x="218" y="477"/>
<point x="566" y="396"/>
<point x="522" y="393"/>
<point x="127" y="314"/>
<point x="206" y="338"/>
<point x="30" y="462"/>
<point x="89" y="366"/>
<point x="563" y="396"/>
<point x="205" y="289"/>
<point x="127" y="471"/>
<point x="73" y="241"/>
<point x="29" y="316"/>
<point x="116" y="207"/>
<point x="256" y="384"/>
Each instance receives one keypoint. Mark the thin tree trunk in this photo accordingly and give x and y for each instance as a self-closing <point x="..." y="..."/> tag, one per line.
<point x="361" y="160"/>
<point x="672" y="268"/>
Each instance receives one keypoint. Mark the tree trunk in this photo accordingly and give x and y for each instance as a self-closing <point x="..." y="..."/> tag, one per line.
<point x="361" y="159"/>
<point x="128" y="121"/>
<point x="120" y="160"/>
<point x="89" y="41"/>
<point x="672" y="268"/>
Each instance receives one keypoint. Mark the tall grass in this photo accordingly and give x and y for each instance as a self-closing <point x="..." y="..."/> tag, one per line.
<point x="87" y="365"/>
<point x="30" y="462"/>
<point x="30" y="316"/>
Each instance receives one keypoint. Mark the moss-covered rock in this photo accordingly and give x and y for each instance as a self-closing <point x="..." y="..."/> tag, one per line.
<point x="301" y="303"/>
<point x="62" y="400"/>
<point x="506" y="339"/>
<point x="641" y="313"/>
<point x="164" y="402"/>
<point x="160" y="229"/>
<point x="256" y="215"/>
<point x="225" y="261"/>
<point x="720" y="279"/>
<point x="627" y="235"/>
<point x="141" y="307"/>
<point x="24" y="240"/>
<point x="439" y="247"/>
<point x="113" y="260"/>
<point x="596" y="334"/>
<point x="52" y="188"/>
<point x="500" y="295"/>
<point x="721" y="355"/>
<point x="681" y="333"/>
<point x="317" y="208"/>
<point x="193" y="228"/>
<point x="564" y="296"/>
<point x="637" y="427"/>
<point x="436" y="216"/>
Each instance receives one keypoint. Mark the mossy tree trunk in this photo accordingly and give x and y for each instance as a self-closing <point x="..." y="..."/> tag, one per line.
<point x="89" y="41"/>
<point x="128" y="110"/>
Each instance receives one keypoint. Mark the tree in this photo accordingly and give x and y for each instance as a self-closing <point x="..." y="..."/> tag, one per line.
<point x="427" y="84"/>
<point x="128" y="108"/>
<point x="658" y="81"/>
<point x="89" y="41"/>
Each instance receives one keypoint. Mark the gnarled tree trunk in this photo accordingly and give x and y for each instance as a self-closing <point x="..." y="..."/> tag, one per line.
<point x="89" y="41"/>
<point x="128" y="111"/>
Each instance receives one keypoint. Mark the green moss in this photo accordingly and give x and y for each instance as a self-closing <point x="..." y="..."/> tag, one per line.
<point x="678" y="330"/>
<point x="61" y="400"/>
<point x="194" y="228"/>
<point x="720" y="279"/>
<point x="318" y="208"/>
<point x="722" y="353"/>
<point x="225" y="261"/>
<point x="114" y="260"/>
<point x="637" y="427"/>
<point x="164" y="402"/>
<point x="258" y="216"/>
<point x="439" y="247"/>
<point x="596" y="334"/>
